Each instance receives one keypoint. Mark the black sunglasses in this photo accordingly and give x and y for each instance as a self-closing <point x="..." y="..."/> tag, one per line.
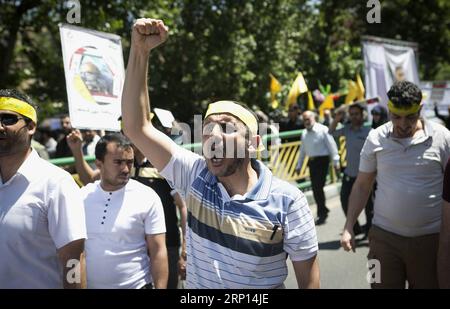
<point x="9" y="119"/>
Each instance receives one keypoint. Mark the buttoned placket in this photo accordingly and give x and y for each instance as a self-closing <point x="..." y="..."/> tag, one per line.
<point x="107" y="204"/>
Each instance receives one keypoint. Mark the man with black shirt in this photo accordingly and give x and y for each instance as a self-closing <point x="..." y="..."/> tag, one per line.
<point x="293" y="122"/>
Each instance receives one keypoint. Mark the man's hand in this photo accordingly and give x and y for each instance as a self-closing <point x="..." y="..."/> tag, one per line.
<point x="182" y="266"/>
<point x="337" y="166"/>
<point x="148" y="33"/>
<point x="337" y="169"/>
<point x="74" y="140"/>
<point x="339" y="115"/>
<point x="348" y="240"/>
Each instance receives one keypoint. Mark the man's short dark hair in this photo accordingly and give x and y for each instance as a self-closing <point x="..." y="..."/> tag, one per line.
<point x="13" y="93"/>
<point x="358" y="106"/>
<point x="119" y="139"/>
<point x="404" y="94"/>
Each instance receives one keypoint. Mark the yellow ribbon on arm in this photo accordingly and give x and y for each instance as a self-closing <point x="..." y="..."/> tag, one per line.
<point x="229" y="107"/>
<point x="18" y="106"/>
<point x="403" y="111"/>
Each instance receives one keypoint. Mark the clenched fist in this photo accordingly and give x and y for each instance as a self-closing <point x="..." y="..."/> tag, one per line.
<point x="74" y="140"/>
<point x="148" y="33"/>
<point x="348" y="240"/>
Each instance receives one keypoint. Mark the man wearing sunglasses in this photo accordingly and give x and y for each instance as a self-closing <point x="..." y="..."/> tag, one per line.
<point x="42" y="227"/>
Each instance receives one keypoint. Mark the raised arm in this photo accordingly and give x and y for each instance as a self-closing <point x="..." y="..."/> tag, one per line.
<point x="337" y="118"/>
<point x="86" y="173"/>
<point x="146" y="35"/>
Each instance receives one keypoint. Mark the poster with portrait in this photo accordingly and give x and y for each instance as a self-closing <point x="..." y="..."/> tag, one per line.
<point x="387" y="61"/>
<point x="94" y="72"/>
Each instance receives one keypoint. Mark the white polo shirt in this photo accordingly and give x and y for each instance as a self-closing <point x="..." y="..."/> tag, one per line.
<point x="408" y="198"/>
<point x="117" y="222"/>
<point x="40" y="212"/>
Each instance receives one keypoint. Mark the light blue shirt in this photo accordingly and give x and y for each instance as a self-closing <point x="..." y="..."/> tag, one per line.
<point x="354" y="142"/>
<point x="317" y="142"/>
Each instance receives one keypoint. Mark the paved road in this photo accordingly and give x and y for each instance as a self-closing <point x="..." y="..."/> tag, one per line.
<point x="338" y="269"/>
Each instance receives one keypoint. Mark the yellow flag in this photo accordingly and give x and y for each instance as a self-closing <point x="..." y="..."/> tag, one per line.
<point x="310" y="106"/>
<point x="275" y="104"/>
<point x="360" y="88"/>
<point x="352" y="92"/>
<point x="297" y="88"/>
<point x="275" y="85"/>
<point x="328" y="103"/>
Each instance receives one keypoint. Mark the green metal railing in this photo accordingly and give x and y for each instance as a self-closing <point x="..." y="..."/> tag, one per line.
<point x="67" y="161"/>
<point x="192" y="147"/>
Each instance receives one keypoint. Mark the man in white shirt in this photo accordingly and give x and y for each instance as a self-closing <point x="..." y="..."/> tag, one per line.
<point x="147" y="175"/>
<point x="125" y="223"/>
<point x="42" y="227"/>
<point x="407" y="155"/>
<point x="319" y="146"/>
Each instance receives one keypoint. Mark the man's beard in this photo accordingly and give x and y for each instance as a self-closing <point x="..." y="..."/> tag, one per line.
<point x="13" y="144"/>
<point x="231" y="168"/>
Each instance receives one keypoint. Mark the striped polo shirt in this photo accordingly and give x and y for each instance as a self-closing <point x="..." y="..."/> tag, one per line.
<point x="240" y="241"/>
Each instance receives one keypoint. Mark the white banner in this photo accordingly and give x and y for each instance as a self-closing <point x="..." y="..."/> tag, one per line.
<point x="94" y="70"/>
<point x="386" y="62"/>
<point x="437" y="94"/>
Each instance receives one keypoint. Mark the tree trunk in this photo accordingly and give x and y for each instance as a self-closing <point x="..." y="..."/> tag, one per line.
<point x="8" y="50"/>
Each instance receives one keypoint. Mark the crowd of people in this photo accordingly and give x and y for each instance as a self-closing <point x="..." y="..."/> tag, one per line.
<point x="237" y="222"/>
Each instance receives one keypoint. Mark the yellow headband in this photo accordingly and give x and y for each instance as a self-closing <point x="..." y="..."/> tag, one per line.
<point x="18" y="106"/>
<point x="403" y="111"/>
<point x="236" y="110"/>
